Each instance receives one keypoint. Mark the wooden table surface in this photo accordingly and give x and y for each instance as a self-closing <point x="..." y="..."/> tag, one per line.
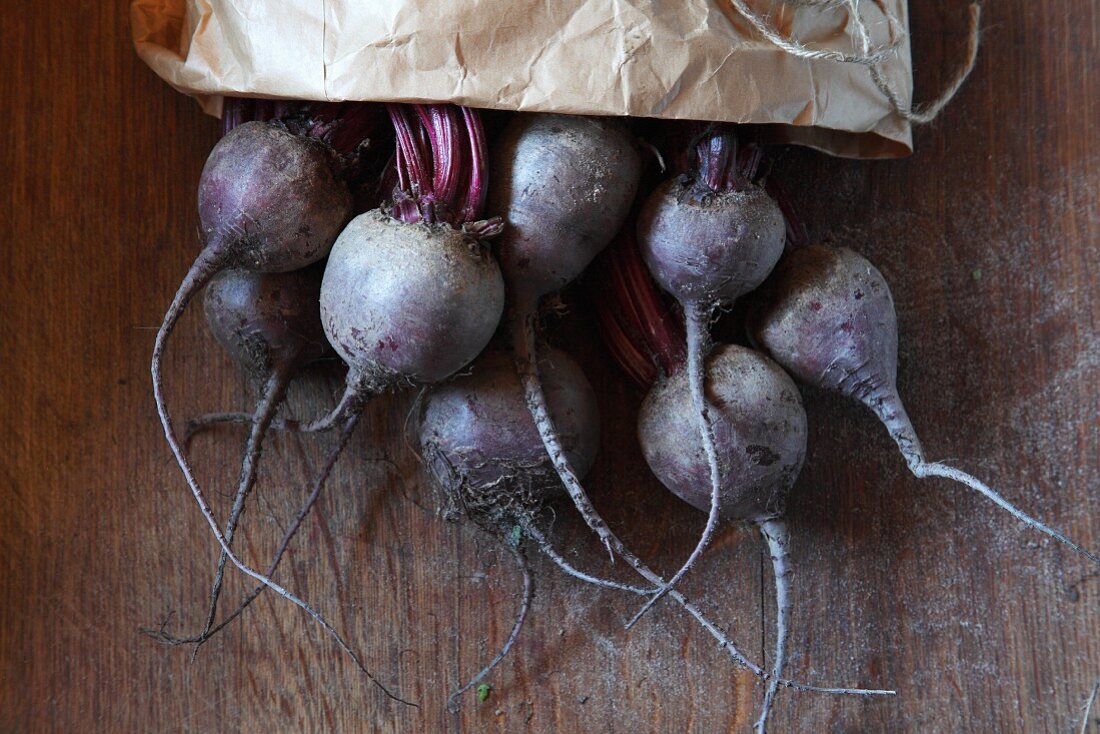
<point x="987" y="235"/>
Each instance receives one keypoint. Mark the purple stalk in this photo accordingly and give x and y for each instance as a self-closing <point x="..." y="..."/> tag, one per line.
<point x="797" y="233"/>
<point x="473" y="204"/>
<point x="440" y="167"/>
<point x="235" y="111"/>
<point x="717" y="153"/>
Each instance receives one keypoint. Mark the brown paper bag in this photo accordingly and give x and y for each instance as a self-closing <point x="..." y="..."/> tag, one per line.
<point x="675" y="59"/>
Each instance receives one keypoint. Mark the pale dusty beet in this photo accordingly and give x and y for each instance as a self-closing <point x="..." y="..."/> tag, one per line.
<point x="708" y="238"/>
<point x="481" y="444"/>
<point x="409" y="301"/>
<point x="411" y="292"/>
<point x="710" y="247"/>
<point x="828" y="317"/>
<point x="564" y="184"/>
<point x="269" y="323"/>
<point x="759" y="430"/>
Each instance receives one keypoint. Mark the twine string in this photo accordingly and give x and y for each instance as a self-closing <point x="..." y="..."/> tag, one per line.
<point x="870" y="55"/>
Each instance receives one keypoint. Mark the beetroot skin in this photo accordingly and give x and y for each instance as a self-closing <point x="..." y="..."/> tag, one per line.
<point x="271" y="198"/>
<point x="417" y="301"/>
<point x="759" y="431"/>
<point x="481" y="443"/>
<point x="267" y="320"/>
<point x="828" y="317"/>
<point x="564" y="184"/>
<point x="708" y="247"/>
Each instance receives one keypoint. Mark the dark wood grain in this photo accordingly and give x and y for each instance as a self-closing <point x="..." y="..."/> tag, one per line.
<point x="988" y="236"/>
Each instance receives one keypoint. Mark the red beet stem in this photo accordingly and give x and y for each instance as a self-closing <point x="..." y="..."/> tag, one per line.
<point x="412" y="160"/>
<point x="797" y="233"/>
<point x="663" y="331"/>
<point x="633" y="361"/>
<point x="440" y="163"/>
<point x="645" y="338"/>
<point x="474" y="202"/>
<point x="236" y="111"/>
<point x="723" y="164"/>
<point x="717" y="154"/>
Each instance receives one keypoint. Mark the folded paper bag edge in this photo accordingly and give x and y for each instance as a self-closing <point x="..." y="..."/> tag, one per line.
<point x="850" y="119"/>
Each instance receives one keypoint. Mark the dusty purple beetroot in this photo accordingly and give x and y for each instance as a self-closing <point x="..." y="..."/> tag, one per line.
<point x="564" y="185"/>
<point x="405" y="301"/>
<point x="481" y="444"/>
<point x="759" y="422"/>
<point x="411" y="292"/>
<point x="269" y="201"/>
<point x="270" y="324"/>
<point x="759" y="430"/>
<point x="828" y="317"/>
<point x="479" y="441"/>
<point x="267" y="322"/>
<point x="708" y="239"/>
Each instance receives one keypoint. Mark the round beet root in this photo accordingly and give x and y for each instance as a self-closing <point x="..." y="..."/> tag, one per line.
<point x="481" y="444"/>
<point x="828" y="317"/>
<point x="267" y="319"/>
<point x="409" y="301"/>
<point x="710" y="247"/>
<point x="759" y="431"/>
<point x="269" y="323"/>
<point x="271" y="198"/>
<point x="564" y="184"/>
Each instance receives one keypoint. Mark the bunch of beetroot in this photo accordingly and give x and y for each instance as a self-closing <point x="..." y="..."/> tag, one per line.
<point x="405" y="265"/>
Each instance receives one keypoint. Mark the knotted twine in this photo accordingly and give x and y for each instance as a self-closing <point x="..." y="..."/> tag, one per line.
<point x="871" y="55"/>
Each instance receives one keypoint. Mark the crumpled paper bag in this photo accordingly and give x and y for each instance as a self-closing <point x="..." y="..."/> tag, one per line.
<point x="676" y="59"/>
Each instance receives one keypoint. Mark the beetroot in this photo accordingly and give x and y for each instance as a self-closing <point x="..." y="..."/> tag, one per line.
<point x="482" y="447"/>
<point x="708" y="239"/>
<point x="828" y="317"/>
<point x="759" y="429"/>
<point x="480" y="443"/>
<point x="270" y="324"/>
<point x="410" y="291"/>
<point x="407" y="301"/>
<point x="564" y="185"/>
